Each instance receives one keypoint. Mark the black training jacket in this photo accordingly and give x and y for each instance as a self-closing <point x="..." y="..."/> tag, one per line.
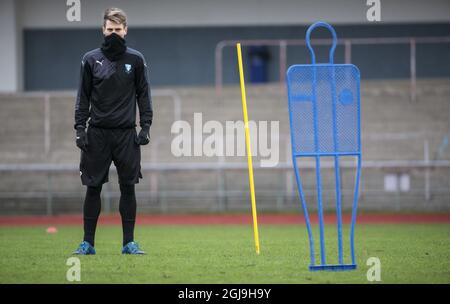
<point x="108" y="91"/>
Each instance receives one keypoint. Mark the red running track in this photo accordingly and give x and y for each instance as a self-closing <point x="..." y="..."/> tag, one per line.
<point x="227" y="219"/>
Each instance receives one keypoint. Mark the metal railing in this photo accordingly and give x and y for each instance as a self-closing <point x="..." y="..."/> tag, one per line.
<point x="219" y="192"/>
<point x="346" y="42"/>
<point x="222" y="193"/>
<point x="46" y="97"/>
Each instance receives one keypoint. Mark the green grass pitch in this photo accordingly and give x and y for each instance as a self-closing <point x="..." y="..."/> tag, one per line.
<point x="224" y="254"/>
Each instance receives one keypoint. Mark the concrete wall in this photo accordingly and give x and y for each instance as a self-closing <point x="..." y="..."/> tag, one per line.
<point x="10" y="48"/>
<point x="51" y="13"/>
<point x="184" y="29"/>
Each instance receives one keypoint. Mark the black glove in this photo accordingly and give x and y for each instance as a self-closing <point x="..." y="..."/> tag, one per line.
<point x="144" y="135"/>
<point x="82" y="141"/>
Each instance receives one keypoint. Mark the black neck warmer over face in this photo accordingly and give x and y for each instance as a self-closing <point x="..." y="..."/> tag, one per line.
<point x="113" y="47"/>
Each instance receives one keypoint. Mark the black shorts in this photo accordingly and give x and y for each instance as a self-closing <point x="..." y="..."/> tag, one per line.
<point x="106" y="146"/>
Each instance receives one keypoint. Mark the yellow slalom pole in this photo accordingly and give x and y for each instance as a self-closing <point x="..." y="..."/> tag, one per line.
<point x="249" y="151"/>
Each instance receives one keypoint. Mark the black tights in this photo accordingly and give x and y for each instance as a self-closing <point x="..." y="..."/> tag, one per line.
<point x="127" y="208"/>
<point x="91" y="211"/>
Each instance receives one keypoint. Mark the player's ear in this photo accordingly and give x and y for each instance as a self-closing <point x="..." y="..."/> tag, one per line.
<point x="125" y="30"/>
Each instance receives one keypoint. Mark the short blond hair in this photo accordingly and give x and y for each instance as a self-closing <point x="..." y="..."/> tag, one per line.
<point x="115" y="15"/>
